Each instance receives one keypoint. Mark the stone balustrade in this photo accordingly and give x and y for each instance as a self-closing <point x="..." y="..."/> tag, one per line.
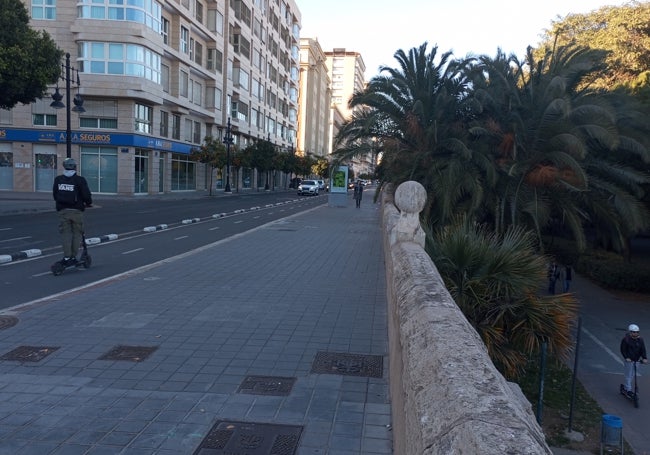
<point x="447" y="397"/>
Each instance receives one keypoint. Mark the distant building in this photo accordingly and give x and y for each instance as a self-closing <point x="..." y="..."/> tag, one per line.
<point x="315" y="97"/>
<point x="347" y="73"/>
<point x="157" y="77"/>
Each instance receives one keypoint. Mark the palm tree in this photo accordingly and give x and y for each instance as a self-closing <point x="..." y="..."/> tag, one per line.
<point x="495" y="280"/>
<point x="415" y="112"/>
<point x="555" y="142"/>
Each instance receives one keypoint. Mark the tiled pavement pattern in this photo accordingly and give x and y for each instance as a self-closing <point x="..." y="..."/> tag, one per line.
<point x="261" y="304"/>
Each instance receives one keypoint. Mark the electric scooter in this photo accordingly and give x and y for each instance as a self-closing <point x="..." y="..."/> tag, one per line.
<point x="634" y="397"/>
<point x="84" y="261"/>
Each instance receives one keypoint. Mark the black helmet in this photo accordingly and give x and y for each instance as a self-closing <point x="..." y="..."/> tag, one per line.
<point x="69" y="164"/>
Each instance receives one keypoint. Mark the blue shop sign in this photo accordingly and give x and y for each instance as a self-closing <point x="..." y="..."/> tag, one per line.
<point x="94" y="138"/>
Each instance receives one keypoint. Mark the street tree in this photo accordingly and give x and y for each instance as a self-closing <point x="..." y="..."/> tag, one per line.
<point x="213" y="153"/>
<point x="262" y="157"/>
<point x="29" y="59"/>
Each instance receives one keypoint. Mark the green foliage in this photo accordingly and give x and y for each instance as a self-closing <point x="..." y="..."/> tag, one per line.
<point x="29" y="59"/>
<point x="211" y="152"/>
<point x="321" y="168"/>
<point x="622" y="31"/>
<point x="495" y="281"/>
<point x="263" y="154"/>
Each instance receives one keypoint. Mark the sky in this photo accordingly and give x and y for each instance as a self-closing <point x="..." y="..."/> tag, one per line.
<point x="378" y="28"/>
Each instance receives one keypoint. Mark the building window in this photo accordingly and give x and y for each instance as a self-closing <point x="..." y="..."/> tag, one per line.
<point x="198" y="53"/>
<point x="119" y="59"/>
<point x="184" y="84"/>
<point x="6" y="117"/>
<point x="185" y="40"/>
<point x="215" y="21"/>
<point x="215" y="60"/>
<point x="99" y="114"/>
<point x="198" y="11"/>
<point x="176" y="126"/>
<point x="42" y="113"/>
<point x="44" y="119"/>
<point x="164" y="30"/>
<point x="142" y="12"/>
<point x="197" y="132"/>
<point x="183" y="173"/>
<point x="188" y="130"/>
<point x="143" y="118"/>
<point x="164" y="123"/>
<point x="44" y="9"/>
<point x="164" y="77"/>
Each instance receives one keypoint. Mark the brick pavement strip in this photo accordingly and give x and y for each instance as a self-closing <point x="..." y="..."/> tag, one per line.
<point x="250" y="306"/>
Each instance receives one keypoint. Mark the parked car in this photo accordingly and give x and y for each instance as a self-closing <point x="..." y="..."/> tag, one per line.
<point x="309" y="187"/>
<point x="321" y="184"/>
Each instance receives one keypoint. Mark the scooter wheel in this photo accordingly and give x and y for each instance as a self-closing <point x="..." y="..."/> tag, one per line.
<point x="87" y="261"/>
<point x="57" y="268"/>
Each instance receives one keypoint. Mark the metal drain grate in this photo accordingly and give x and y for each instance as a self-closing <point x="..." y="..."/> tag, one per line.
<point x="266" y="385"/>
<point x="250" y="438"/>
<point x="8" y="321"/>
<point x="348" y="364"/>
<point x="29" y="353"/>
<point x="130" y="353"/>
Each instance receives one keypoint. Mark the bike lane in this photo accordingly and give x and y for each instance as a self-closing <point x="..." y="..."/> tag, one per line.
<point x="605" y="317"/>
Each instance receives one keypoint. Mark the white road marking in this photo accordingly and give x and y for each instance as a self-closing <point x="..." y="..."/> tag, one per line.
<point x="133" y="251"/>
<point x="617" y="358"/>
<point x="181" y="237"/>
<point x="16" y="238"/>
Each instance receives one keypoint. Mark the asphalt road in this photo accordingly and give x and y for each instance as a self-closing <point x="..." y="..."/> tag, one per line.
<point x="191" y="224"/>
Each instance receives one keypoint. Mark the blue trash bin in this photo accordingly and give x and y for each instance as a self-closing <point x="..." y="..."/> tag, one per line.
<point x="611" y="430"/>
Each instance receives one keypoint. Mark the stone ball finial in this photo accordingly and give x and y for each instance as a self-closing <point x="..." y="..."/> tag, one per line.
<point x="410" y="197"/>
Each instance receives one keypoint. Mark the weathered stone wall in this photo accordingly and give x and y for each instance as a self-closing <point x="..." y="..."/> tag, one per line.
<point x="447" y="396"/>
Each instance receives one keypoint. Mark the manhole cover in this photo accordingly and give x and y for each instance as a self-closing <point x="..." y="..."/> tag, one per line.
<point x="266" y="385"/>
<point x="29" y="353"/>
<point x="227" y="437"/>
<point x="8" y="321"/>
<point x="130" y="353"/>
<point x="348" y="364"/>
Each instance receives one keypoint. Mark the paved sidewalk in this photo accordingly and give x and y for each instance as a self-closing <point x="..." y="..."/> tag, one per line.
<point x="284" y="327"/>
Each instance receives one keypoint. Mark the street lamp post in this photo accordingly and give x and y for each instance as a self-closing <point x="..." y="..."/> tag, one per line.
<point x="78" y="102"/>
<point x="228" y="140"/>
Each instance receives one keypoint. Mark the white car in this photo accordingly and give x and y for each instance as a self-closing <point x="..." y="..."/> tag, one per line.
<point x="321" y="184"/>
<point x="309" y="187"/>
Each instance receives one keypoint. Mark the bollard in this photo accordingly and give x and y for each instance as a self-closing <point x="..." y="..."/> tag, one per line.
<point x="611" y="432"/>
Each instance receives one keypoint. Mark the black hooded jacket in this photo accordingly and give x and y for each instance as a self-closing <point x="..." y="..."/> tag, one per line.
<point x="71" y="192"/>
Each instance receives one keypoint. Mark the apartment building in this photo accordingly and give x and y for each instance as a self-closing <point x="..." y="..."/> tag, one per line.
<point x="346" y="70"/>
<point x="314" y="102"/>
<point x="156" y="78"/>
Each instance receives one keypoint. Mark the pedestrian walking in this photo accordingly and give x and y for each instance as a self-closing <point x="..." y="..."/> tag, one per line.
<point x="632" y="350"/>
<point x="358" y="193"/>
<point x="553" y="275"/>
<point x="567" y="277"/>
<point x="72" y="196"/>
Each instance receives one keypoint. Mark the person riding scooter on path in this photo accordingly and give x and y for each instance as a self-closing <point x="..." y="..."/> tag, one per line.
<point x="633" y="350"/>
<point x="72" y="196"/>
